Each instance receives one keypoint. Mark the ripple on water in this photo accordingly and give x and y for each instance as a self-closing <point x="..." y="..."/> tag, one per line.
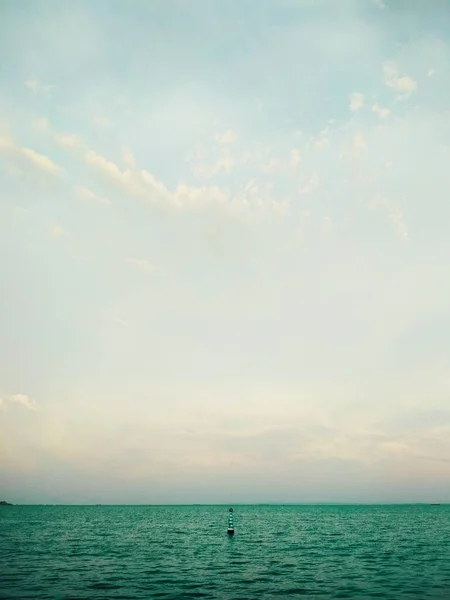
<point x="352" y="553"/>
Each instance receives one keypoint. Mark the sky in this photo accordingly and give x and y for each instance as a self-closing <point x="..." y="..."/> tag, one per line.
<point x="224" y="250"/>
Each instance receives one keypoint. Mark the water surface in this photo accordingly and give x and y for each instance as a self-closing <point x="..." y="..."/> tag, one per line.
<point x="182" y="552"/>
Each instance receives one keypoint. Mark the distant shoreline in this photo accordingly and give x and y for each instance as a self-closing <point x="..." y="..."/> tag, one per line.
<point x="242" y="504"/>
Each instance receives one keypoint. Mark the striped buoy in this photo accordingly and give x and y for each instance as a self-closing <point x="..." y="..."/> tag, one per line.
<point x="230" y="529"/>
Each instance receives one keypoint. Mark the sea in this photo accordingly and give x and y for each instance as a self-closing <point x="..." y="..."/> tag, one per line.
<point x="183" y="552"/>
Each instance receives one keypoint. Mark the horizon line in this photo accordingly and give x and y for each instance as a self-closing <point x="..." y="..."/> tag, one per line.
<point x="414" y="503"/>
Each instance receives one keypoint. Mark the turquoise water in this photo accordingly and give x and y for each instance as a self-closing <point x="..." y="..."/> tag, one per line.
<point x="181" y="552"/>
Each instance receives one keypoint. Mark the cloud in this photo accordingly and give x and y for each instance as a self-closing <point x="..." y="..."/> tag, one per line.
<point x="227" y="137"/>
<point x="128" y="159"/>
<point x="322" y="140"/>
<point x="68" y="141"/>
<point x="381" y="112"/>
<point x="101" y="121"/>
<point x="356" y="101"/>
<point x="58" y="231"/>
<point x="296" y="157"/>
<point x="120" y="322"/>
<point x="38" y="87"/>
<point x="6" y="143"/>
<point x="86" y="194"/>
<point x="142" y="265"/>
<point x="404" y="84"/>
<point x="224" y="164"/>
<point x="398" y="220"/>
<point x="142" y="184"/>
<point x="21" y="399"/>
<point x="359" y="141"/>
<point x="273" y="165"/>
<point x="394" y="215"/>
<point x="312" y="184"/>
<point x="379" y="3"/>
<point x="102" y="164"/>
<point x="42" y="124"/>
<point x="41" y="161"/>
<point x="327" y="225"/>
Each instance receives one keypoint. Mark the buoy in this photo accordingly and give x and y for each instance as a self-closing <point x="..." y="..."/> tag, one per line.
<point x="230" y="529"/>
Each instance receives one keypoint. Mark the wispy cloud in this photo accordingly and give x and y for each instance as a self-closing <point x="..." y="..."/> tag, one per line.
<point x="101" y="121"/>
<point x="296" y="157"/>
<point x="395" y="216"/>
<point x="19" y="399"/>
<point x="227" y="137"/>
<point x="142" y="265"/>
<point x="404" y="84"/>
<point x="58" y="231"/>
<point x="143" y="184"/>
<point x="356" y="101"/>
<point x="87" y="194"/>
<point x="224" y="164"/>
<point x="42" y="124"/>
<point x="381" y="112"/>
<point x="38" y="87"/>
<point x="41" y="161"/>
<point x="32" y="157"/>
<point x="121" y="322"/>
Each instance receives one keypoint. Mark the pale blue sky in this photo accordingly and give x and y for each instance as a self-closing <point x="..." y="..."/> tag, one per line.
<point x="224" y="250"/>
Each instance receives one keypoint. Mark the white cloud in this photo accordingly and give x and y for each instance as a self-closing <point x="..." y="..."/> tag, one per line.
<point x="312" y="185"/>
<point x="393" y="214"/>
<point x="296" y="157"/>
<point x="205" y="167"/>
<point x="68" y="141"/>
<point x="187" y="197"/>
<point x="227" y="137"/>
<point x="87" y="194"/>
<point x="41" y="161"/>
<point x="322" y="141"/>
<point x="356" y="101"/>
<point x="381" y="112"/>
<point x="359" y="141"/>
<point x="142" y="184"/>
<point x="101" y="121"/>
<point x="327" y="225"/>
<point x="129" y="159"/>
<point x="21" y="399"/>
<point x="102" y="164"/>
<point x="120" y="322"/>
<point x="42" y="124"/>
<point x="6" y="143"/>
<point x="37" y="86"/>
<point x="273" y="165"/>
<point x="398" y="221"/>
<point x="379" y="3"/>
<point x="404" y="84"/>
<point x="142" y="265"/>
<point x="394" y="447"/>
<point x="58" y="231"/>
<point x="33" y="85"/>
<point x="224" y="164"/>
